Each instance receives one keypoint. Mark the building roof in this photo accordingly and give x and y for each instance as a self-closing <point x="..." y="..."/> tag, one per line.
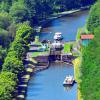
<point x="87" y="36"/>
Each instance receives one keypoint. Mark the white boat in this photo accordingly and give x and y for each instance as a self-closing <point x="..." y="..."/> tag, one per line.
<point x="58" y="36"/>
<point x="69" y="80"/>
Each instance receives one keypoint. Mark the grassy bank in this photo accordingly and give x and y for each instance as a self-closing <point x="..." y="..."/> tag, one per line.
<point x="77" y="74"/>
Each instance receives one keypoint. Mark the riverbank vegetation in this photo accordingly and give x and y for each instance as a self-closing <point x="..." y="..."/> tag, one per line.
<point x="90" y="67"/>
<point x="13" y="62"/>
<point x="17" y="17"/>
<point x="67" y="47"/>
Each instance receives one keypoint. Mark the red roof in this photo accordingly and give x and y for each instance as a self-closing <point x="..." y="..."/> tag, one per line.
<point x="87" y="36"/>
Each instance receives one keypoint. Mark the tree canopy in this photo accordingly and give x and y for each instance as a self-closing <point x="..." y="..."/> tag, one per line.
<point x="94" y="18"/>
<point x="91" y="59"/>
<point x="17" y="21"/>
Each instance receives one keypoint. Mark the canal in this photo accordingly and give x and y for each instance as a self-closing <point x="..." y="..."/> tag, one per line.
<point x="47" y="84"/>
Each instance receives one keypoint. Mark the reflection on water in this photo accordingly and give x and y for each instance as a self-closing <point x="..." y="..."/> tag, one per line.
<point x="68" y="88"/>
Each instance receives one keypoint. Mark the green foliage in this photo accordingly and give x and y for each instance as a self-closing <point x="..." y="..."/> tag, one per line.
<point x="5" y="20"/>
<point x="67" y="47"/>
<point x="13" y="64"/>
<point x="13" y="28"/>
<point x="4" y="6"/>
<point x="90" y="67"/>
<point x="7" y="85"/>
<point x="94" y="18"/>
<point x="19" y="12"/>
<point x="13" y="61"/>
<point x="78" y="36"/>
<point x="3" y="54"/>
<point x="7" y="29"/>
<point x="4" y="41"/>
<point x="18" y="47"/>
<point x="42" y="9"/>
<point x="24" y="32"/>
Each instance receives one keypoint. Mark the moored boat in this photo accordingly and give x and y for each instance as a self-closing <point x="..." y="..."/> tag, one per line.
<point x="58" y="36"/>
<point x="69" y="80"/>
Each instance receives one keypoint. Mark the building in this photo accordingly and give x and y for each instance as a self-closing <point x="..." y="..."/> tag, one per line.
<point x="85" y="38"/>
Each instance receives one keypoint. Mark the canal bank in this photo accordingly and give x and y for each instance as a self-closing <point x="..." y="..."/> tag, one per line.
<point x="62" y="14"/>
<point x="43" y="84"/>
<point x="77" y="74"/>
<point x="43" y="23"/>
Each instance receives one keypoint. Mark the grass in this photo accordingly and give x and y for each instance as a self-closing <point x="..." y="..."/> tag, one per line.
<point x="38" y="43"/>
<point x="78" y="34"/>
<point x="67" y="47"/>
<point x="77" y="64"/>
<point x="35" y="54"/>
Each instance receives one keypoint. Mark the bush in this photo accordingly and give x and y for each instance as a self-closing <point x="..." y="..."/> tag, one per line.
<point x="13" y="64"/>
<point x="7" y="85"/>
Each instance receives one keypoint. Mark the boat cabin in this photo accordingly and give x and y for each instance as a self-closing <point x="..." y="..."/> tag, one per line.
<point x="58" y="36"/>
<point x="69" y="80"/>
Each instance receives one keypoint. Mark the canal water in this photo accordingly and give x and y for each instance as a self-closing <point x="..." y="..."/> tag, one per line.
<point x="67" y="26"/>
<point x="48" y="84"/>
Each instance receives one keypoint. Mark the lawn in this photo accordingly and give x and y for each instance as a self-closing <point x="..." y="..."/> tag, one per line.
<point x="78" y="36"/>
<point x="35" y="54"/>
<point x="67" y="47"/>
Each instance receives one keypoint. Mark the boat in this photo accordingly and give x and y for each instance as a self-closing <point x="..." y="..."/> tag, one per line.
<point x="69" y="80"/>
<point x="58" y="36"/>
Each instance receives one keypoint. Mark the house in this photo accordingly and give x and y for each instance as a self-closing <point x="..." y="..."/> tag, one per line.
<point x="86" y="38"/>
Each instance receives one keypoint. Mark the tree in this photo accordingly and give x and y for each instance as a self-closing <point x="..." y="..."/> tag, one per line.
<point x="3" y="54"/>
<point x="24" y="32"/>
<point x="13" y="64"/>
<point x="7" y="31"/>
<point x="90" y="66"/>
<point x="94" y="17"/>
<point x="7" y="85"/>
<point x="19" y="12"/>
<point x="5" y="20"/>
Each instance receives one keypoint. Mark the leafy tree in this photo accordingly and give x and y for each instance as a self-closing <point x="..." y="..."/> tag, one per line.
<point x="94" y="18"/>
<point x="7" y="29"/>
<point x="5" y="20"/>
<point x="19" y="12"/>
<point x="24" y="32"/>
<point x="7" y="85"/>
<point x="86" y="2"/>
<point x="20" y="50"/>
<point x="90" y="69"/>
<point x="3" y="54"/>
<point x="4" y="41"/>
<point x="13" y="64"/>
